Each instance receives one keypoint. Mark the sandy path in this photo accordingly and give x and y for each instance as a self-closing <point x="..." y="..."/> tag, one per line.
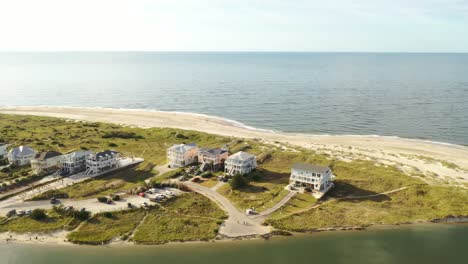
<point x="405" y="153"/>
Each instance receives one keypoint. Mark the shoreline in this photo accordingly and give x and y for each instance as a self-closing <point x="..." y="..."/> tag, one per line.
<point x="438" y="161"/>
<point x="58" y="238"/>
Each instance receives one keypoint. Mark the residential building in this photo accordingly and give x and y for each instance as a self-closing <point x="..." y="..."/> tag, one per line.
<point x="240" y="163"/>
<point x="47" y="161"/>
<point x="318" y="178"/>
<point x="180" y="155"/>
<point x="21" y="155"/>
<point x="3" y="151"/>
<point x="212" y="158"/>
<point x="75" y="162"/>
<point x="102" y="161"/>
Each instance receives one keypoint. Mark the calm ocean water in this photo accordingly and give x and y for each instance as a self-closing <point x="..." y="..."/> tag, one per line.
<point x="408" y="95"/>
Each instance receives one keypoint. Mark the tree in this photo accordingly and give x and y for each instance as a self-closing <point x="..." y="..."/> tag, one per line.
<point x="237" y="182"/>
<point x="38" y="214"/>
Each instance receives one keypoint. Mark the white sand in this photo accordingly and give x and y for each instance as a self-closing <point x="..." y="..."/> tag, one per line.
<point x="386" y="150"/>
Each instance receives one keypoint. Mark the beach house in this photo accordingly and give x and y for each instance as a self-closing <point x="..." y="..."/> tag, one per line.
<point x="102" y="161"/>
<point x="21" y="155"/>
<point x="317" y="178"/>
<point x="3" y="151"/>
<point x="212" y="158"/>
<point x="47" y="161"/>
<point x="75" y="161"/>
<point x="240" y="163"/>
<point x="180" y="155"/>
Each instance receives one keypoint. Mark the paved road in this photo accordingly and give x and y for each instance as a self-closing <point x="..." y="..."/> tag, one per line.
<point x="238" y="224"/>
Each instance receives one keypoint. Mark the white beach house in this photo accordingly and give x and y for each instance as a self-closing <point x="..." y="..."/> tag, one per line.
<point x="3" y="151"/>
<point x="21" y="155"/>
<point x="317" y="178"/>
<point x="102" y="161"/>
<point x="47" y="161"/>
<point x="240" y="163"/>
<point x="75" y="162"/>
<point x="180" y="155"/>
<point x="212" y="158"/>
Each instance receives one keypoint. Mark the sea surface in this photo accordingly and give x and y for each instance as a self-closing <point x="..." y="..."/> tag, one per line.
<point x="421" y="96"/>
<point x="413" y="244"/>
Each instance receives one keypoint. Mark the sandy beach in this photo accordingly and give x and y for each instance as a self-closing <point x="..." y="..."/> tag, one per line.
<point x="413" y="156"/>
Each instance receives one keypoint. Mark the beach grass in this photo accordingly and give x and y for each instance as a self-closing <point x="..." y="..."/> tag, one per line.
<point x="417" y="203"/>
<point x="188" y="217"/>
<point x="27" y="224"/>
<point x="103" y="227"/>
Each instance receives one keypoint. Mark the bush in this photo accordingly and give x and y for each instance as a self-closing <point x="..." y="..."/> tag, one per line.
<point x="102" y="199"/>
<point x="122" y="134"/>
<point x="112" y="145"/>
<point x="115" y="197"/>
<point x="81" y="215"/>
<point x="38" y="214"/>
<point x="206" y="175"/>
<point x="237" y="182"/>
<point x="108" y="215"/>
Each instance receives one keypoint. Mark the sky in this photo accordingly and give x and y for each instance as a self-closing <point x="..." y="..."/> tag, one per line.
<point x="234" y="25"/>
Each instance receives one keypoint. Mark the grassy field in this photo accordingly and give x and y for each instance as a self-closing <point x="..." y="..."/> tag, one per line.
<point x="185" y="218"/>
<point x="27" y="224"/>
<point x="420" y="202"/>
<point x="101" y="228"/>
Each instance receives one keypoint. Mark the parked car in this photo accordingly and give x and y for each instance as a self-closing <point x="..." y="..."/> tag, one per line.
<point x="28" y="212"/>
<point x="196" y="179"/>
<point x="53" y="200"/>
<point x="129" y="205"/>
<point x="170" y="193"/>
<point x="144" y="204"/>
<point x="20" y="213"/>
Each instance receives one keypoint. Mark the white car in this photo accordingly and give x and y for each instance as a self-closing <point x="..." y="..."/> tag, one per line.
<point x="144" y="204"/>
<point x="28" y="212"/>
<point x="170" y="193"/>
<point x="20" y="213"/>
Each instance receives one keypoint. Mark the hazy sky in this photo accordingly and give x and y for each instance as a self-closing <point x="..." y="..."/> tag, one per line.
<point x="229" y="25"/>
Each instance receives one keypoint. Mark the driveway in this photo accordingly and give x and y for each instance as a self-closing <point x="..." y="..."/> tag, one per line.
<point x="238" y="224"/>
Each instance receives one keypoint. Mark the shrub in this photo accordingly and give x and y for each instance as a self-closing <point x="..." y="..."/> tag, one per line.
<point x="115" y="197"/>
<point x="237" y="182"/>
<point x="112" y="145"/>
<point x="206" y="174"/>
<point x="102" y="199"/>
<point x="122" y="134"/>
<point x="38" y="214"/>
<point x="108" y="215"/>
<point x="81" y="215"/>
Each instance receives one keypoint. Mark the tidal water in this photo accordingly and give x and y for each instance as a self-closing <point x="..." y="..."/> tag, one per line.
<point x="421" y="96"/>
<point x="414" y="244"/>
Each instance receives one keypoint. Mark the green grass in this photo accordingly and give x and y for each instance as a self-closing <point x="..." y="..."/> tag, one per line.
<point x="420" y="202"/>
<point x="27" y="224"/>
<point x="101" y="229"/>
<point x="185" y="218"/>
<point x="300" y="202"/>
<point x="162" y="227"/>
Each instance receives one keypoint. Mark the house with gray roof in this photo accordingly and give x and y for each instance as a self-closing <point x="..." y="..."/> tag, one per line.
<point x="21" y="155"/>
<point x="46" y="161"/>
<point x="180" y="155"/>
<point x="75" y="161"/>
<point x="317" y="178"/>
<point x="102" y="161"/>
<point x="212" y="158"/>
<point x="240" y="163"/>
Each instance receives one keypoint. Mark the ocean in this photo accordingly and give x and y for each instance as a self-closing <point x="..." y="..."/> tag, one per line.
<point x="409" y="95"/>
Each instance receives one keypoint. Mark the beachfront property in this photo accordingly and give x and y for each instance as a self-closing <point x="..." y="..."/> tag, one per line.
<point x="317" y="178"/>
<point x="47" y="161"/>
<point x="21" y="155"/>
<point x="240" y="163"/>
<point x="75" y="161"/>
<point x="180" y="155"/>
<point x="212" y="158"/>
<point x="3" y="151"/>
<point x="102" y="161"/>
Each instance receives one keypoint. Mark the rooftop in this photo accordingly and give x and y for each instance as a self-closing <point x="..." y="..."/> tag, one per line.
<point x="241" y="155"/>
<point x="22" y="151"/>
<point x="212" y="151"/>
<point x="310" y="167"/>
<point x="183" y="147"/>
<point x="105" y="153"/>
<point x="47" y="155"/>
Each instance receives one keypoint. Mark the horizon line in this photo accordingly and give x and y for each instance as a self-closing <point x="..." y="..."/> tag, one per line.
<point x="229" y="51"/>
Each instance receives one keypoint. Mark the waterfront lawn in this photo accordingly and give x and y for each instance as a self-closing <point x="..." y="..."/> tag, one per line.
<point x="420" y="202"/>
<point x="300" y="202"/>
<point x="103" y="227"/>
<point x="26" y="224"/>
<point x="161" y="227"/>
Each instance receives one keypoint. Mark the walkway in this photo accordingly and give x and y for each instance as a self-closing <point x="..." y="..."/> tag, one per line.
<point x="238" y="224"/>
<point x="277" y="206"/>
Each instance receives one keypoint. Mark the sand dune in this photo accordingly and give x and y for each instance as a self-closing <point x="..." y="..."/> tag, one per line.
<point x="409" y="154"/>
